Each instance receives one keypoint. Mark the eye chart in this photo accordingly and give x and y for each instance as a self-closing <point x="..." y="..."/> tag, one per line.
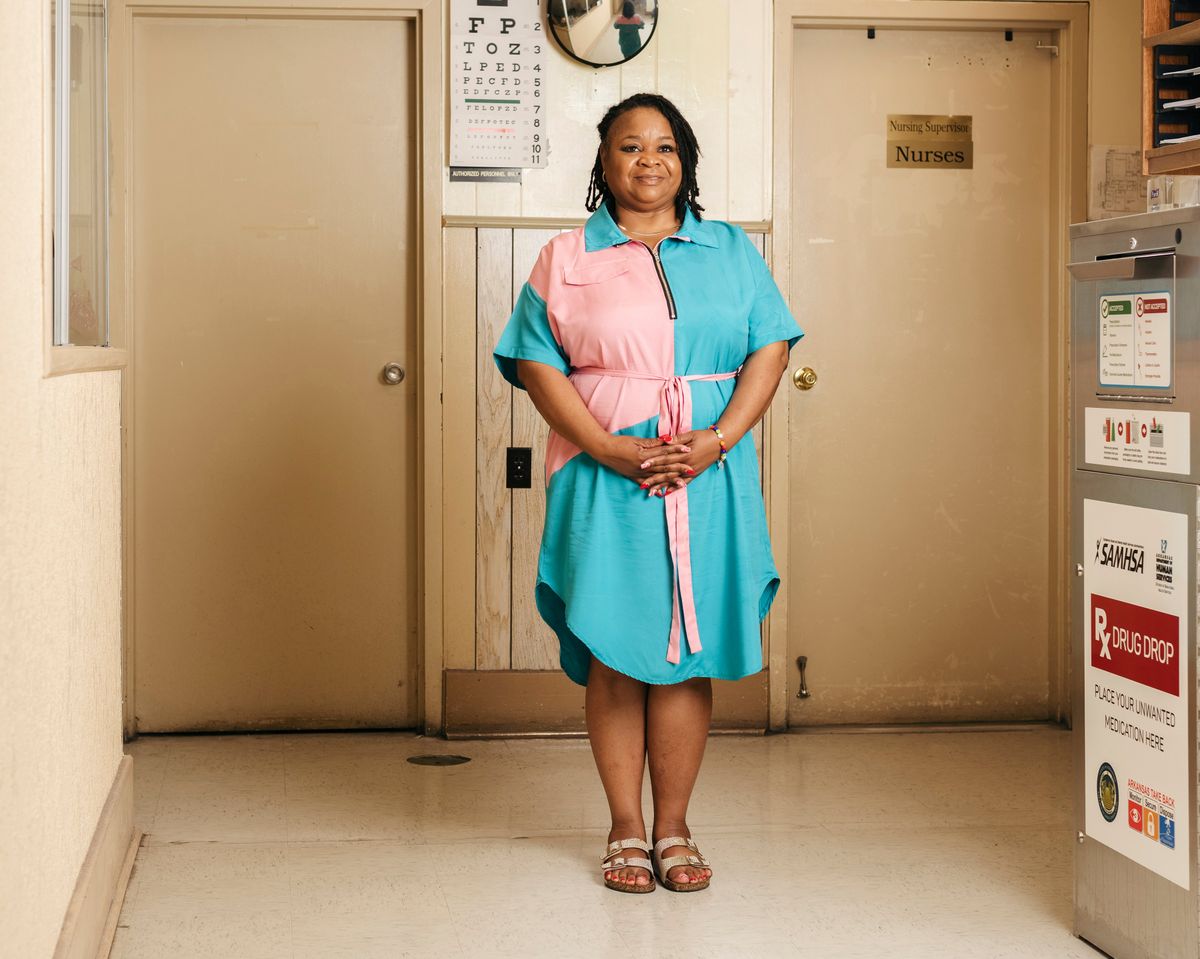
<point x="497" y="76"/>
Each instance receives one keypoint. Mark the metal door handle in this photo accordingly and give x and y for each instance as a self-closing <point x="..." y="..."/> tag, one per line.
<point x="393" y="373"/>
<point x="805" y="378"/>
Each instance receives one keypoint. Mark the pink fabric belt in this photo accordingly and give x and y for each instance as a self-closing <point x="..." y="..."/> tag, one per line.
<point x="675" y="417"/>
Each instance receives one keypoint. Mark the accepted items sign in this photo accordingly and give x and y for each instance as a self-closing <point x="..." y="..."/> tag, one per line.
<point x="1135" y="684"/>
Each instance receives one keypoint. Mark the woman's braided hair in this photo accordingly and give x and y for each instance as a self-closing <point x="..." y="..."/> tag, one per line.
<point x="685" y="144"/>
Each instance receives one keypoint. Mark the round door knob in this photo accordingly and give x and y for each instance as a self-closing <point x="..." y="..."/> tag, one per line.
<point x="393" y="373"/>
<point x="805" y="378"/>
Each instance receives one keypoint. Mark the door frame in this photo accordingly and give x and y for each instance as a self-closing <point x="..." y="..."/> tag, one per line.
<point x="1068" y="21"/>
<point x="427" y="19"/>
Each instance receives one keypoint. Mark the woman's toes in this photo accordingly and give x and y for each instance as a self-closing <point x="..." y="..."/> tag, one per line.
<point x="641" y="879"/>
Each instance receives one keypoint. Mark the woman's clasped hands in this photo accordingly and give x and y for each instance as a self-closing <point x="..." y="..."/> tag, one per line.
<point x="662" y="466"/>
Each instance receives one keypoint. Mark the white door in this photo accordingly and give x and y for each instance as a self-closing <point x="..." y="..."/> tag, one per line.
<point x="920" y="511"/>
<point x="273" y="278"/>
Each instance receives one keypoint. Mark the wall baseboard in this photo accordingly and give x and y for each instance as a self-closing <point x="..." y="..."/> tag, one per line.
<point x="90" y="922"/>
<point x="494" y="702"/>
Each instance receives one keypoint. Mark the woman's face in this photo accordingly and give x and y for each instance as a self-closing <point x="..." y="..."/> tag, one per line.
<point x="641" y="161"/>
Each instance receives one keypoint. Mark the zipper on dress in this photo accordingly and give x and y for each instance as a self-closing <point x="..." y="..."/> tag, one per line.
<point x="662" y="278"/>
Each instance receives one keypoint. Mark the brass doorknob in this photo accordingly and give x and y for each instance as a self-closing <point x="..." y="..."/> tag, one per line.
<point x="805" y="378"/>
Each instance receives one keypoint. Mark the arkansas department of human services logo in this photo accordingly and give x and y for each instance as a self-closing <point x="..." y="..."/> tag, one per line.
<point x="1107" y="793"/>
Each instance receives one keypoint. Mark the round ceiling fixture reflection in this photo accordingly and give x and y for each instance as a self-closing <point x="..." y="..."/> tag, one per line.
<point x="603" y="33"/>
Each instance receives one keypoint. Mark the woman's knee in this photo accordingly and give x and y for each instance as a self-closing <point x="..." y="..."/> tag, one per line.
<point x="605" y="677"/>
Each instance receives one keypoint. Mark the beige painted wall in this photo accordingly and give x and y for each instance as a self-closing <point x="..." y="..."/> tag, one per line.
<point x="60" y="698"/>
<point x="1115" y="96"/>
<point x="60" y="536"/>
<point x="713" y="58"/>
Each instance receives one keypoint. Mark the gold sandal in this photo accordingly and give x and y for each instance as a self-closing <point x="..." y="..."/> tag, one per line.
<point x="663" y="866"/>
<point x="622" y="862"/>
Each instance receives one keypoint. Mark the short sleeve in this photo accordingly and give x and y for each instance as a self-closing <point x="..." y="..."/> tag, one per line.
<point x="528" y="336"/>
<point x="770" y="318"/>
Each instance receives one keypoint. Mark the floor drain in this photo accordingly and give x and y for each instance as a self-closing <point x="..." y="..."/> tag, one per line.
<point x="442" y="760"/>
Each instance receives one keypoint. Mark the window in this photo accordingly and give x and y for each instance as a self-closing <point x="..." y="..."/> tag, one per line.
<point x="79" y="78"/>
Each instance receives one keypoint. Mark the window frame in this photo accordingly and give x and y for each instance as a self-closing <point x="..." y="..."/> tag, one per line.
<point x="61" y="356"/>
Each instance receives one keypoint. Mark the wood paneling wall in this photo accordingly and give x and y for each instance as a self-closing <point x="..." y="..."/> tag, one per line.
<point x="493" y="533"/>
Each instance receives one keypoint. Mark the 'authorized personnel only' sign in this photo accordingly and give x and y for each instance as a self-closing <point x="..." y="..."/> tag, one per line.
<point x="1135" y="684"/>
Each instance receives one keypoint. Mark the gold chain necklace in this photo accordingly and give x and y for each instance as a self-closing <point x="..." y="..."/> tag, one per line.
<point x="655" y="233"/>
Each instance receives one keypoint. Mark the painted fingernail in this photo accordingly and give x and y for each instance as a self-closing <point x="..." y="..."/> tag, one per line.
<point x="688" y="468"/>
<point x="686" y="449"/>
<point x="645" y="486"/>
<point x="644" y="465"/>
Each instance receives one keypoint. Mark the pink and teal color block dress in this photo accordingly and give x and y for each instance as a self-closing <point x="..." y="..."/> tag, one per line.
<point x="660" y="589"/>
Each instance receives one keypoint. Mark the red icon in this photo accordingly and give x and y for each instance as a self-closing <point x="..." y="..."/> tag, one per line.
<point x="1144" y="431"/>
<point x="1135" y="816"/>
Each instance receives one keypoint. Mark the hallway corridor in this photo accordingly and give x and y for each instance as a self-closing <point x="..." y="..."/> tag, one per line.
<point x="830" y="846"/>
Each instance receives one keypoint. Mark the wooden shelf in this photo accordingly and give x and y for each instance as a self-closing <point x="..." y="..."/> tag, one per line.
<point x="1181" y="159"/>
<point x="1185" y="36"/>
<point x="1172" y="149"/>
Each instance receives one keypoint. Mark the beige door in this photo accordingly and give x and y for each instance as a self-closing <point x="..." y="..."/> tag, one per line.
<point x="273" y="278"/>
<point x="920" y="529"/>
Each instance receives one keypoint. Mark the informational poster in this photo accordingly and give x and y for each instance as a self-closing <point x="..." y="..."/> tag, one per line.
<point x="497" y="87"/>
<point x="1117" y="185"/>
<point x="1135" y="339"/>
<point x="1145" y="439"/>
<point x="1136" y="714"/>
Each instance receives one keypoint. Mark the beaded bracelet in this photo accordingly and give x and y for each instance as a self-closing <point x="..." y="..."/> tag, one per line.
<point x="724" y="448"/>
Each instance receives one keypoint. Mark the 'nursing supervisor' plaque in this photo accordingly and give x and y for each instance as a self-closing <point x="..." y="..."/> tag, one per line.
<point x="929" y="142"/>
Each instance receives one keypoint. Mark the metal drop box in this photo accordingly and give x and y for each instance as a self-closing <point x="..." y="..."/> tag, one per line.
<point x="1135" y="484"/>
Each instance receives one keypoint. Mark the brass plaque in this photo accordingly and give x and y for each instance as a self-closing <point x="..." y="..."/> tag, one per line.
<point x="930" y="142"/>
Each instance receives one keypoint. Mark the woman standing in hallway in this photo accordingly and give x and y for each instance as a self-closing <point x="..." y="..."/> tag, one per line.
<point x="651" y="341"/>
<point x="629" y="26"/>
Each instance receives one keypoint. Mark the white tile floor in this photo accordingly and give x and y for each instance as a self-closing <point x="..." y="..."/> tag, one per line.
<point x="315" y="846"/>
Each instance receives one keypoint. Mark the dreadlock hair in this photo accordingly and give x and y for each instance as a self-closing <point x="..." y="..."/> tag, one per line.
<point x="685" y="144"/>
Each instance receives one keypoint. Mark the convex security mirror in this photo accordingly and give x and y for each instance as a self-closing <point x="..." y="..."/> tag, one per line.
<point x="603" y="33"/>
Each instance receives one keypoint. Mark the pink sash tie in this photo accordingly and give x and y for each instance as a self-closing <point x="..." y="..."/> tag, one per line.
<point x="675" y="417"/>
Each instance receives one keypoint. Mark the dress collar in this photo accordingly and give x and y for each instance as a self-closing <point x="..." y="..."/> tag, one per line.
<point x="601" y="231"/>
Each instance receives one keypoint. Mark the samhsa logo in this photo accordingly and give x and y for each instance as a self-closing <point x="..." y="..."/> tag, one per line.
<point x="1118" y="555"/>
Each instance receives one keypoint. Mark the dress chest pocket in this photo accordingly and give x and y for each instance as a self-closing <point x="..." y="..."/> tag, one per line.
<point x="611" y="309"/>
<point x="588" y="274"/>
<point x="611" y="292"/>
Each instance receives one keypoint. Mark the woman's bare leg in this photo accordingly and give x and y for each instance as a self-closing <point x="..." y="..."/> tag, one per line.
<point x="615" y="706"/>
<point x="677" y="721"/>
